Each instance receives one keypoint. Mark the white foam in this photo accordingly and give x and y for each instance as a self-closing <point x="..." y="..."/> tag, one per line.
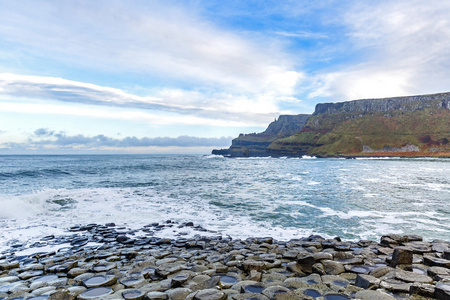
<point x="313" y="183"/>
<point x="213" y="156"/>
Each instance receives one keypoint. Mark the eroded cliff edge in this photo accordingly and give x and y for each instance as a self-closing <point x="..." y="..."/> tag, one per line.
<point x="400" y="126"/>
<point x="255" y="144"/>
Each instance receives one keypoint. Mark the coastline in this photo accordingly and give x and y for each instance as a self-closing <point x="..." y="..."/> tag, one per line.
<point x="108" y="262"/>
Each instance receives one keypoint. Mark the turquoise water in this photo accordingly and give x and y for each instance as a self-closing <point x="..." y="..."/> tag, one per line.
<point x="283" y="198"/>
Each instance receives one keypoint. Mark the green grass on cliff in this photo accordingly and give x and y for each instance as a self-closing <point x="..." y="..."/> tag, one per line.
<point x="334" y="134"/>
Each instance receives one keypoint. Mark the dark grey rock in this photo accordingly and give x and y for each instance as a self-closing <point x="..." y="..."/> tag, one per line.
<point x="442" y="291"/>
<point x="367" y="282"/>
<point x="401" y="256"/>
<point x="435" y="261"/>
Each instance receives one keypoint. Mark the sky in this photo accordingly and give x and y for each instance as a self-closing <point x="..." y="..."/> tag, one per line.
<point x="188" y="76"/>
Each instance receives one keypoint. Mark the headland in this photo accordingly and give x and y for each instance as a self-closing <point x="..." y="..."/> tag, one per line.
<point x="413" y="126"/>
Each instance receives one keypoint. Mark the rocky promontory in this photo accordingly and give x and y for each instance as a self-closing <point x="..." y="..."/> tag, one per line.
<point x="255" y="144"/>
<point x="398" y="126"/>
<point x="112" y="262"/>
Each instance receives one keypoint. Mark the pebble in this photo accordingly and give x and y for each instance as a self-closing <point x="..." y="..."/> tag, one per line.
<point x="134" y="265"/>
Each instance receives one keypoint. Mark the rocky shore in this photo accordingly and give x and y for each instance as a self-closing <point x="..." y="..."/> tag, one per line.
<point x="111" y="262"/>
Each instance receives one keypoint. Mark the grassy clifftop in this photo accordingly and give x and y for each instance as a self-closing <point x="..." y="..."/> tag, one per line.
<point x="255" y="144"/>
<point x="406" y="126"/>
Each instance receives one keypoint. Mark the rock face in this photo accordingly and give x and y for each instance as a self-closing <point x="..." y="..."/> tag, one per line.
<point x="400" y="126"/>
<point x="255" y="144"/>
<point x="404" y="104"/>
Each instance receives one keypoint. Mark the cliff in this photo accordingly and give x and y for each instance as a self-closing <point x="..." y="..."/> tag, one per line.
<point x="399" y="126"/>
<point x="405" y="126"/>
<point x="255" y="144"/>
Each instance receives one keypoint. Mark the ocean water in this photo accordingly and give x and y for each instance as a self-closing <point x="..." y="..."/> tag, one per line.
<point x="282" y="198"/>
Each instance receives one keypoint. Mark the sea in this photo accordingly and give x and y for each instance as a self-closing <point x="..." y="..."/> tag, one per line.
<point x="285" y="198"/>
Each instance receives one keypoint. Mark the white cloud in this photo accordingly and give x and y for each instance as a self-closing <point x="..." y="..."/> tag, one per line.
<point x="303" y="34"/>
<point x="404" y="49"/>
<point x="194" y="107"/>
<point x="124" y="115"/>
<point x="149" y="38"/>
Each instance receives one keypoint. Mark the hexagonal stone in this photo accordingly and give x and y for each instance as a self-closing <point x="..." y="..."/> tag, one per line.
<point x="395" y="285"/>
<point x="95" y="293"/>
<point x="333" y="267"/>
<point x="373" y="295"/>
<point x="97" y="281"/>
<point x="438" y="273"/>
<point x="133" y="294"/>
<point x="210" y="294"/>
<point x="435" y="261"/>
<point x="401" y="256"/>
<point x="7" y="265"/>
<point x="367" y="282"/>
<point x="254" y="265"/>
<point x="178" y="293"/>
<point x="131" y="282"/>
<point x="412" y="277"/>
<point x="422" y="289"/>
<point x="272" y="291"/>
<point x="157" y="296"/>
<point x="442" y="291"/>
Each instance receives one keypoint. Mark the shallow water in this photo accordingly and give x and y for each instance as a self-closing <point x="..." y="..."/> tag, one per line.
<point x="283" y="198"/>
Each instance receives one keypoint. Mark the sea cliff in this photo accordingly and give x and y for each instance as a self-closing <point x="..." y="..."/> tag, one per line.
<point x="398" y="126"/>
<point x="255" y="144"/>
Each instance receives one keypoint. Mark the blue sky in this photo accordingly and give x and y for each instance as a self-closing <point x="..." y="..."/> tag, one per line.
<point x="188" y="76"/>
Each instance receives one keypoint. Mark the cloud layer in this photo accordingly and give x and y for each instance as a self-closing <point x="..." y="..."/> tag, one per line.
<point x="45" y="138"/>
<point x="402" y="48"/>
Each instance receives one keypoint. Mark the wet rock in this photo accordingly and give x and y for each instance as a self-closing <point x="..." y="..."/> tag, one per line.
<point x="133" y="282"/>
<point x="306" y="262"/>
<point x="272" y="291"/>
<point x="318" y="268"/>
<point x="333" y="267"/>
<point x="8" y="279"/>
<point x="373" y="295"/>
<point x="227" y="281"/>
<point x="157" y="296"/>
<point x="358" y="269"/>
<point x="390" y="240"/>
<point x="395" y="286"/>
<point x="178" y="293"/>
<point x="95" y="293"/>
<point x="438" y="273"/>
<point x="435" y="261"/>
<point x="97" y="281"/>
<point x="412" y="277"/>
<point x="442" y="291"/>
<point x="133" y="294"/>
<point x="248" y="296"/>
<point x="210" y="294"/>
<point x="8" y="265"/>
<point x="367" y="282"/>
<point x="422" y="289"/>
<point x="43" y="290"/>
<point x="76" y="290"/>
<point x="254" y="275"/>
<point x="254" y="265"/>
<point x="380" y="271"/>
<point x="401" y="256"/>
<point x="104" y="267"/>
<point x="179" y="280"/>
<point x="62" y="295"/>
